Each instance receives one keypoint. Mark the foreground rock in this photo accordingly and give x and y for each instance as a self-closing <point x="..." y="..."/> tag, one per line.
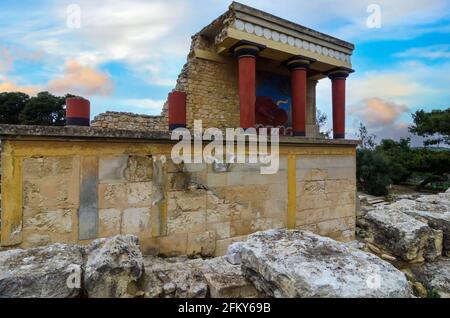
<point x="432" y="209"/>
<point x="435" y="277"/>
<point x="401" y="235"/>
<point x="292" y="264"/>
<point x="113" y="267"/>
<point x="226" y="280"/>
<point x="41" y="272"/>
<point x="173" y="278"/>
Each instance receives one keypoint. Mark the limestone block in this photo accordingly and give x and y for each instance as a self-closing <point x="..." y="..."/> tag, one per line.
<point x="342" y="173"/>
<point x="222" y="230"/>
<point x="39" y="272"/>
<point x="215" y="179"/>
<point x="195" y="167"/>
<point x="112" y="169"/>
<point x="187" y="201"/>
<point x="41" y="167"/>
<point x="296" y="264"/>
<point x="226" y="280"/>
<point x="113" y="267"/>
<point x="401" y="235"/>
<point x="173" y="278"/>
<point x="222" y="245"/>
<point x="136" y="221"/>
<point x="310" y="188"/>
<point x="112" y="195"/>
<point x="49" y="220"/>
<point x="171" y="245"/>
<point x="337" y="186"/>
<point x="325" y="162"/>
<point x="332" y="226"/>
<point x="261" y="224"/>
<point x="109" y="222"/>
<point x="139" y="169"/>
<point x="177" y="181"/>
<point x="139" y="194"/>
<point x="203" y="244"/>
<point x="186" y="222"/>
<point x="35" y="239"/>
<point x="59" y="191"/>
<point x="309" y="202"/>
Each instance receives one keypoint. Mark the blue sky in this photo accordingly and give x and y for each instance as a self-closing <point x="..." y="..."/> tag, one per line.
<point x="127" y="54"/>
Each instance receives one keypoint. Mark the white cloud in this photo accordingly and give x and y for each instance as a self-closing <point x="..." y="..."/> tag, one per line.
<point x="150" y="105"/>
<point x="428" y="52"/>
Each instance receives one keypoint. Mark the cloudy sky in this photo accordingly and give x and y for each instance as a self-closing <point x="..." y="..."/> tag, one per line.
<point x="126" y="54"/>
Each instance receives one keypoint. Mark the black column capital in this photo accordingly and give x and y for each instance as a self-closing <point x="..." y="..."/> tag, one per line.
<point x="340" y="73"/>
<point x="299" y="62"/>
<point x="246" y="48"/>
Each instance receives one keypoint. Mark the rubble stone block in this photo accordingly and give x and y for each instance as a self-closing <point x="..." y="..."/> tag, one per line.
<point x="297" y="264"/>
<point x="226" y="280"/>
<point x="402" y="235"/>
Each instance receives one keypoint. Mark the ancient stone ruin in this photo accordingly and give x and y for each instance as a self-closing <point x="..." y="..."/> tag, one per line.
<point x="105" y="199"/>
<point x="247" y="69"/>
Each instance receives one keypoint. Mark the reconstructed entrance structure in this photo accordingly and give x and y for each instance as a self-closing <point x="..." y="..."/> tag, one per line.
<point x="246" y="69"/>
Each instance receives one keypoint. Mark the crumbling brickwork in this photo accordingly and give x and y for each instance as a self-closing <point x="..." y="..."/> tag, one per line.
<point x="130" y="121"/>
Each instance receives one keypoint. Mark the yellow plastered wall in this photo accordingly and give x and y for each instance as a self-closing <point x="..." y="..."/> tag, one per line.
<point x="314" y="189"/>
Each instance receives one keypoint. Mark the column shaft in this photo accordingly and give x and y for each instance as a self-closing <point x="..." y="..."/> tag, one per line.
<point x="338" y="91"/>
<point x="247" y="90"/>
<point x="299" y="90"/>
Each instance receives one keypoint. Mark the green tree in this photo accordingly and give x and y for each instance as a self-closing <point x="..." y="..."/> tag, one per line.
<point x="372" y="172"/>
<point x="44" y="109"/>
<point x="11" y="104"/>
<point x="434" y="125"/>
<point x="399" y="157"/>
<point x="434" y="164"/>
<point x="367" y="140"/>
<point x="322" y="122"/>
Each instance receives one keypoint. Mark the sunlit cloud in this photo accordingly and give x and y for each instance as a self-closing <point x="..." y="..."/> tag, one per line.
<point x="81" y="80"/>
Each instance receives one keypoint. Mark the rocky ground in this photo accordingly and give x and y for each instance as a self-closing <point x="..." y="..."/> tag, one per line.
<point x="401" y="251"/>
<point x="413" y="234"/>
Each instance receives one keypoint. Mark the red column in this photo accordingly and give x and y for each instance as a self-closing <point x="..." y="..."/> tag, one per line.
<point x="247" y="90"/>
<point x="298" y="88"/>
<point x="338" y="79"/>
<point x="177" y="110"/>
<point x="247" y="83"/>
<point x="299" y="68"/>
<point x="78" y="111"/>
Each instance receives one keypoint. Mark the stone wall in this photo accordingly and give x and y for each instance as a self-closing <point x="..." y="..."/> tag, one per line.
<point x="132" y="188"/>
<point x="130" y="121"/>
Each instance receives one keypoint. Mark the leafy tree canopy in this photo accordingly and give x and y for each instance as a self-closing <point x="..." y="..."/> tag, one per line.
<point x="434" y="125"/>
<point x="44" y="109"/>
<point x="11" y="104"/>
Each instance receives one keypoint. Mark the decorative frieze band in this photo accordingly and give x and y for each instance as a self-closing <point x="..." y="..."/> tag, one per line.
<point x="290" y="40"/>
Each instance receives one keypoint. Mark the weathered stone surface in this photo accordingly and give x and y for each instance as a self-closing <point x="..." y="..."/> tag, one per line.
<point x="432" y="209"/>
<point x="283" y="263"/>
<point x="173" y="278"/>
<point x="401" y="235"/>
<point x="113" y="267"/>
<point x="435" y="277"/>
<point x="40" y="272"/>
<point x="226" y="280"/>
